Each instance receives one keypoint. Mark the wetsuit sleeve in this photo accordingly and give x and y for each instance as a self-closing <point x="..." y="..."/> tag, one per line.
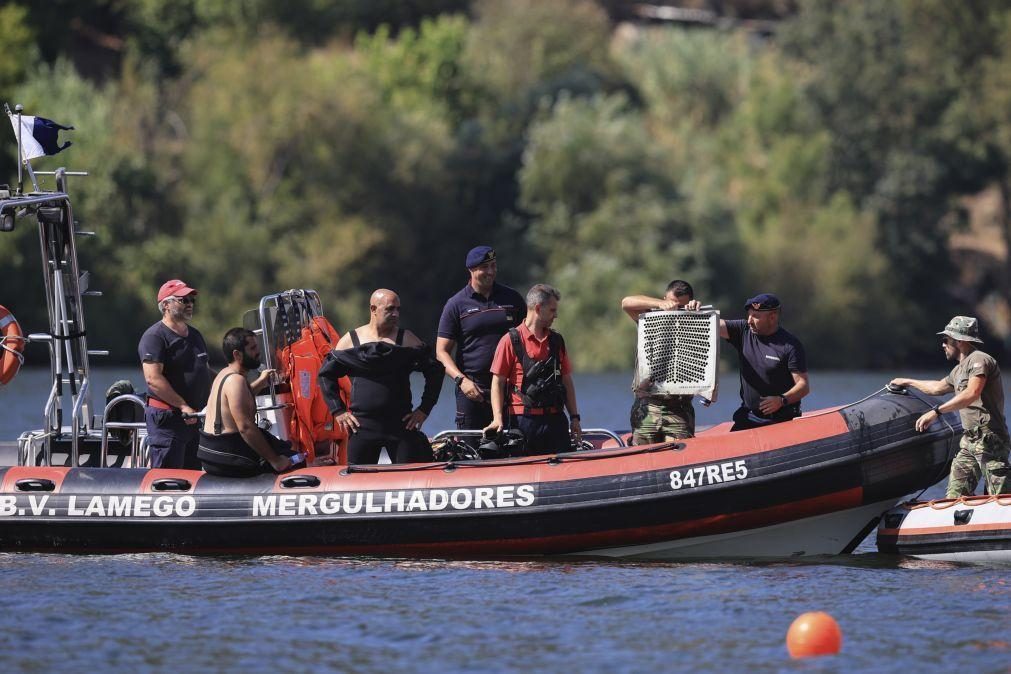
<point x="434" y="372"/>
<point x="449" y="322"/>
<point x="331" y="371"/>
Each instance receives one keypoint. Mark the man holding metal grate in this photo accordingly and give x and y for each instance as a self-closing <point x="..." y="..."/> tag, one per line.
<point x="773" y="365"/>
<point x="661" y="418"/>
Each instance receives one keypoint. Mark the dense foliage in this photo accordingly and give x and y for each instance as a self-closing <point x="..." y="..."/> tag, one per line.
<point x="253" y="146"/>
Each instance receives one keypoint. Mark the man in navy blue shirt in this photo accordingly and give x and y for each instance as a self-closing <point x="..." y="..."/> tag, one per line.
<point x="773" y="365"/>
<point x="472" y="322"/>
<point x="173" y="355"/>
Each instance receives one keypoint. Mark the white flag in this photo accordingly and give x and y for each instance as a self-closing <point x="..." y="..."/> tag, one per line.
<point x="39" y="136"/>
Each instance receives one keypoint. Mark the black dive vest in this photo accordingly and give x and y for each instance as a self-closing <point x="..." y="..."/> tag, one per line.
<point x="542" y="385"/>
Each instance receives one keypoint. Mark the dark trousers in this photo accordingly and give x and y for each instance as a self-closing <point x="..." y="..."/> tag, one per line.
<point x="171" y="441"/>
<point x="472" y="415"/>
<point x="743" y="420"/>
<point x="402" y="445"/>
<point x="545" y="433"/>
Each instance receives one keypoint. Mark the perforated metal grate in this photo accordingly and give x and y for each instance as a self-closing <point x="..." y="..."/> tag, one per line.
<point x="678" y="353"/>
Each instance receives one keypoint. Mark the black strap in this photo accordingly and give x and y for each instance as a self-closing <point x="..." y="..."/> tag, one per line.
<point x="400" y="337"/>
<point x="218" y="426"/>
<point x="72" y="335"/>
<point x="555" y="345"/>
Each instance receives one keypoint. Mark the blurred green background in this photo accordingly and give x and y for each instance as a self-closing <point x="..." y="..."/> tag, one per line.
<point x="851" y="157"/>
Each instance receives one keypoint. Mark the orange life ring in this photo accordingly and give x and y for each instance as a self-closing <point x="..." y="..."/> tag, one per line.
<point x="12" y="346"/>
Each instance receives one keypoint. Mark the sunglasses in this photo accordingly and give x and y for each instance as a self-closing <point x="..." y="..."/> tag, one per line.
<point x="185" y="300"/>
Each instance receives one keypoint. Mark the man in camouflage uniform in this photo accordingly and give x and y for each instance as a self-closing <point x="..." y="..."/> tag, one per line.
<point x="979" y="397"/>
<point x="661" y="418"/>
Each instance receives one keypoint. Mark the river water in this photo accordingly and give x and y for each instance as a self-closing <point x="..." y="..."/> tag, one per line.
<point x="170" y="613"/>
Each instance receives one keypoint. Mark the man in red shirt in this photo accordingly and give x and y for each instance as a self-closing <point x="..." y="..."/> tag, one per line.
<point x="532" y="362"/>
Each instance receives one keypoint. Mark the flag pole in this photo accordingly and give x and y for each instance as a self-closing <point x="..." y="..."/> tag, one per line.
<point x="24" y="164"/>
<point x="18" y="108"/>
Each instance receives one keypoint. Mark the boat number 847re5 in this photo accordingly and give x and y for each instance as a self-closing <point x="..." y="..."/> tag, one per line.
<point x="714" y="473"/>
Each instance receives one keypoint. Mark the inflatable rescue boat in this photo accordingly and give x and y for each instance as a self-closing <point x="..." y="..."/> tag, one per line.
<point x="814" y="485"/>
<point x="966" y="529"/>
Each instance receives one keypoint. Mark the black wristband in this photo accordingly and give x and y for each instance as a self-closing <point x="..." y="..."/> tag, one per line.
<point x="459" y="379"/>
<point x="937" y="410"/>
<point x="574" y="417"/>
<point x="785" y="401"/>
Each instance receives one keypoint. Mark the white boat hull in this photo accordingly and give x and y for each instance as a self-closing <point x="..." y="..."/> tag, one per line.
<point x="828" y="534"/>
<point x="971" y="529"/>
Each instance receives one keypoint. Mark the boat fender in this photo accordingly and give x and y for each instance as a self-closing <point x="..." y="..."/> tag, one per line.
<point x="12" y="346"/>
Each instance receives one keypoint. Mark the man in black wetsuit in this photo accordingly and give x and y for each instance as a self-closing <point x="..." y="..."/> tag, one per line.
<point x="379" y="358"/>
<point x="231" y="444"/>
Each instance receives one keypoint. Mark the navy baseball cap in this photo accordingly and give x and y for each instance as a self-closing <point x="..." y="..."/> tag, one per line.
<point x="762" y="302"/>
<point x="479" y="255"/>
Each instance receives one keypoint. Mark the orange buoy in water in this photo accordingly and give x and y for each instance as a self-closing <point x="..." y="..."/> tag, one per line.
<point x="813" y="634"/>
<point x="12" y="346"/>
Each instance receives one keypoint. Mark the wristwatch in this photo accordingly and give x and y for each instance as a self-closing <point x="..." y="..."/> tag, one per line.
<point x="937" y="410"/>
<point x="459" y="379"/>
<point x="574" y="417"/>
<point x="785" y="401"/>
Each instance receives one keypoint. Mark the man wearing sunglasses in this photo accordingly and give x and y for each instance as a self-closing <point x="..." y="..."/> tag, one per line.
<point x="979" y="399"/>
<point x="173" y="355"/>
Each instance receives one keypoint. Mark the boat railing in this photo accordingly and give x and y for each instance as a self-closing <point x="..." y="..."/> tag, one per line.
<point x="65" y="287"/>
<point x="137" y="430"/>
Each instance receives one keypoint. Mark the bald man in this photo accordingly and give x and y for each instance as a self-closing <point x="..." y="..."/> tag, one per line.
<point x="379" y="358"/>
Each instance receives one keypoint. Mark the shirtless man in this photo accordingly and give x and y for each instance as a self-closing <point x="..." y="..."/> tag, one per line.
<point x="231" y="444"/>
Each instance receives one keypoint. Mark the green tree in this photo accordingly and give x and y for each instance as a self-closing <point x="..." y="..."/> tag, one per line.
<point x="607" y="220"/>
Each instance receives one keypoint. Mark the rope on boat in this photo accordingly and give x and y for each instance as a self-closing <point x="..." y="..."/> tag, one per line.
<point x="17" y="354"/>
<point x="547" y="459"/>
<point x="971" y="501"/>
<point x="915" y="393"/>
<point x="592" y="455"/>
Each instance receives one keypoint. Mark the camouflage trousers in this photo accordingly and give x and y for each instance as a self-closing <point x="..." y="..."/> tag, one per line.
<point x="980" y="455"/>
<point x="662" y="419"/>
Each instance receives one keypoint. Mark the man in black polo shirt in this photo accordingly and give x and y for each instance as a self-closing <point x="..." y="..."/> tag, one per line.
<point x="773" y="365"/>
<point x="473" y="321"/>
<point x="173" y="355"/>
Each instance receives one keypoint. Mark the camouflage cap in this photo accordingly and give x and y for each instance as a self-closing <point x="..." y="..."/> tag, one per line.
<point x="963" y="328"/>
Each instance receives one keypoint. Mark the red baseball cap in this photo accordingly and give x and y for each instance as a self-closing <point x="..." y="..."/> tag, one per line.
<point x="175" y="288"/>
